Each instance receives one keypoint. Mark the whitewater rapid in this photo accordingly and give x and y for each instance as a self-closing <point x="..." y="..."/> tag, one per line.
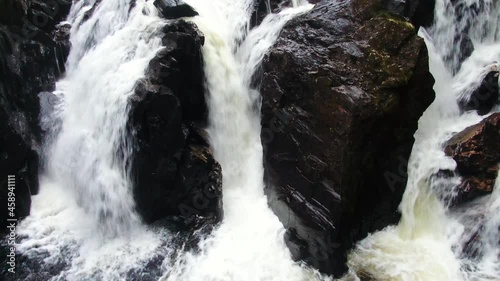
<point x="426" y="245"/>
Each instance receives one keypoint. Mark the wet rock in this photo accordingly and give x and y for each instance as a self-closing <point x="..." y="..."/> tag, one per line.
<point x="466" y="48"/>
<point x="476" y="152"/>
<point x="174" y="171"/>
<point x="420" y="12"/>
<point x="28" y="66"/>
<point x="46" y="15"/>
<point x="486" y="96"/>
<point x="343" y="89"/>
<point x="174" y="9"/>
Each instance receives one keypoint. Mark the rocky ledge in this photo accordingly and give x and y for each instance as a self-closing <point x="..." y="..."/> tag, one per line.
<point x="343" y="89"/>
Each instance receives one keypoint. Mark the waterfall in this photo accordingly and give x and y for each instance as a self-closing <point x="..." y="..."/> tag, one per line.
<point x="427" y="243"/>
<point x="83" y="222"/>
<point x="249" y="244"/>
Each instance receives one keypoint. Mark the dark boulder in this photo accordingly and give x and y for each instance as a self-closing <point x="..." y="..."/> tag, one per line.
<point x="28" y="66"/>
<point x="173" y="168"/>
<point x="484" y="97"/>
<point x="174" y="9"/>
<point x="476" y="152"/>
<point x="343" y="89"/>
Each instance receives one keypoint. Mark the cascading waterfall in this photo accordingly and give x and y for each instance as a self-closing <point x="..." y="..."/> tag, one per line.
<point x="427" y="243"/>
<point x="249" y="244"/>
<point x="83" y="221"/>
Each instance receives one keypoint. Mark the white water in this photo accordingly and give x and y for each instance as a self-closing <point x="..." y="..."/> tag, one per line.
<point x="84" y="216"/>
<point x="249" y="244"/>
<point x="427" y="243"/>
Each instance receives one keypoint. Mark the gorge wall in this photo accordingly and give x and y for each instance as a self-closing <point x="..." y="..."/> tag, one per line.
<point x="33" y="49"/>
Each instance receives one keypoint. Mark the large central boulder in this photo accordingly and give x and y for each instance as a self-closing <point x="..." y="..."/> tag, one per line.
<point x="173" y="168"/>
<point x="343" y="89"/>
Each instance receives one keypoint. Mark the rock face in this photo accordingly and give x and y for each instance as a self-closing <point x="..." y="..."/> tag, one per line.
<point x="173" y="167"/>
<point x="484" y="97"/>
<point x="476" y="151"/>
<point x="174" y="9"/>
<point x="343" y="89"/>
<point x="28" y="49"/>
<point x="420" y="12"/>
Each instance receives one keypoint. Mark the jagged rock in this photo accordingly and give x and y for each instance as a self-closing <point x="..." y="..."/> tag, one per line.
<point x="174" y="170"/>
<point x="343" y="89"/>
<point x="46" y="15"/>
<point x="486" y="96"/>
<point x="19" y="159"/>
<point x="476" y="151"/>
<point x="174" y="9"/>
<point x="27" y="67"/>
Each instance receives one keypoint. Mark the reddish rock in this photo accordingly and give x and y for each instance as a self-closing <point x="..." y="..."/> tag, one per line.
<point x="477" y="153"/>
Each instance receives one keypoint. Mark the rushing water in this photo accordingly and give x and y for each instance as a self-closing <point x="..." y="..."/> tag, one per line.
<point x="84" y="220"/>
<point x="83" y="225"/>
<point x="428" y="242"/>
<point x="249" y="244"/>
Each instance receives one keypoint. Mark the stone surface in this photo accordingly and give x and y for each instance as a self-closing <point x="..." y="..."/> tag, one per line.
<point x="173" y="167"/>
<point x="476" y="150"/>
<point x="174" y="9"/>
<point x="343" y="89"/>
<point x="28" y="48"/>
